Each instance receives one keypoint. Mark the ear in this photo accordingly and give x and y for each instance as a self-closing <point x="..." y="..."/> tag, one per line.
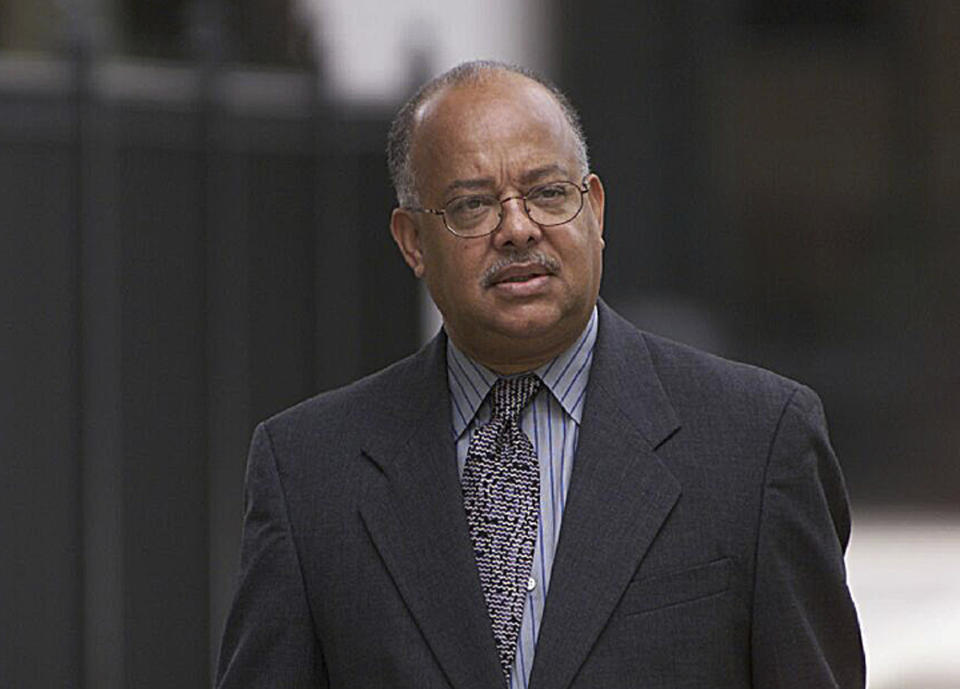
<point x="406" y="234"/>
<point x="596" y="197"/>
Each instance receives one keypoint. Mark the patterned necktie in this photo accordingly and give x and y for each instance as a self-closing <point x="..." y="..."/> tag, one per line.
<point x="501" y="494"/>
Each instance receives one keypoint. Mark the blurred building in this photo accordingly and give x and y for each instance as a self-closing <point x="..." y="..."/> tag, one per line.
<point x="193" y="213"/>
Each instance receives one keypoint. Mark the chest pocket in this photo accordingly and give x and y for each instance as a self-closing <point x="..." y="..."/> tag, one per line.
<point x="672" y="588"/>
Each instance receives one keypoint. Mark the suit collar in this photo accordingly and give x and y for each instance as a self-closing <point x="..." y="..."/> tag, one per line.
<point x="620" y="494"/>
<point x="407" y="396"/>
<point x="625" y="376"/>
<point x="413" y="509"/>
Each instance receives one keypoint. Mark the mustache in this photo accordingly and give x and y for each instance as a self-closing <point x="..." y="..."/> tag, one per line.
<point x="539" y="258"/>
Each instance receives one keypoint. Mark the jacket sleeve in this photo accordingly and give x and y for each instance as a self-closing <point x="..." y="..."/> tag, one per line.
<point x="805" y="632"/>
<point x="269" y="638"/>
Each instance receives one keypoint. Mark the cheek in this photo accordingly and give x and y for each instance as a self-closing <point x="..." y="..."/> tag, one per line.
<point x="435" y="257"/>
<point x="450" y="270"/>
<point x="586" y="250"/>
<point x="589" y="263"/>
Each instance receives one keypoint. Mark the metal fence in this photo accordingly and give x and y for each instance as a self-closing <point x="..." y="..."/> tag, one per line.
<point x="184" y="250"/>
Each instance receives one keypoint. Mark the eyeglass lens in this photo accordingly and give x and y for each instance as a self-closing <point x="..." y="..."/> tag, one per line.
<point x="547" y="204"/>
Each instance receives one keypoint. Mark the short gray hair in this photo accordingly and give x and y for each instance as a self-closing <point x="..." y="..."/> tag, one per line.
<point x="474" y="72"/>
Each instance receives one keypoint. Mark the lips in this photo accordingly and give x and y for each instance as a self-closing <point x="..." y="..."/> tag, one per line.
<point x="518" y="273"/>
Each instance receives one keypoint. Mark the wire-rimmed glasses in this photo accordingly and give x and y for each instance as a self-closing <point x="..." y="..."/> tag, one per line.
<point x="477" y="215"/>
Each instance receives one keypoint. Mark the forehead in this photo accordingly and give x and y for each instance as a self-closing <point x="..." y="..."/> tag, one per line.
<point x="496" y="129"/>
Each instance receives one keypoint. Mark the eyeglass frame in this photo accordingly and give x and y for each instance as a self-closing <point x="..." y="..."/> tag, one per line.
<point x="583" y="188"/>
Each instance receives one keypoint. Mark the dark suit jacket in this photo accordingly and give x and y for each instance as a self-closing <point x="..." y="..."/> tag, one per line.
<point x="702" y="541"/>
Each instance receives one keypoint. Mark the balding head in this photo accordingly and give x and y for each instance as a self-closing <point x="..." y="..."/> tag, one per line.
<point x="475" y="73"/>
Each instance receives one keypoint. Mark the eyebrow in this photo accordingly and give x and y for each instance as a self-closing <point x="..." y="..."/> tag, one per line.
<point x="539" y="173"/>
<point x="467" y="185"/>
<point x="528" y="177"/>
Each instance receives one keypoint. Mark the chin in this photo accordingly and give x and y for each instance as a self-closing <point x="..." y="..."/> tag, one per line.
<point x="536" y="320"/>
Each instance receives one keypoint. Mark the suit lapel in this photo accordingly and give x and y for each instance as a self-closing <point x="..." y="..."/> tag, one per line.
<point x="413" y="509"/>
<point x="620" y="494"/>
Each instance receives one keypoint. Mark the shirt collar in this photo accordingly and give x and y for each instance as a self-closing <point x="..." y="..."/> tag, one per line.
<point x="565" y="376"/>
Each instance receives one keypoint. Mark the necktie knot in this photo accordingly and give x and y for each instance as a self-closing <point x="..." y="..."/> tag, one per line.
<point x="510" y="396"/>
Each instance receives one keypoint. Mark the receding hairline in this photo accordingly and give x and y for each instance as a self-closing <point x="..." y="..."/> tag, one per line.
<point x="477" y="81"/>
<point x="467" y="75"/>
<point x="433" y="104"/>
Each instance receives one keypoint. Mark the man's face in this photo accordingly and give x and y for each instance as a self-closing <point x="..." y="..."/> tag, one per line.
<point x="524" y="293"/>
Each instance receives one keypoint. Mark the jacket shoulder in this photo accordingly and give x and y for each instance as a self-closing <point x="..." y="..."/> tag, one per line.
<point x="350" y="411"/>
<point x="692" y="377"/>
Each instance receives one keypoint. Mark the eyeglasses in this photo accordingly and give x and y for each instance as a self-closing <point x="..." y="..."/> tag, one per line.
<point x="477" y="215"/>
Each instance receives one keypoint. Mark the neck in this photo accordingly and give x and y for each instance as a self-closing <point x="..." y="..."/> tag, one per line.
<point x="510" y="356"/>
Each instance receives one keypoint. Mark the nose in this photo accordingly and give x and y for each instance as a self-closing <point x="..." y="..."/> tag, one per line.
<point x="516" y="228"/>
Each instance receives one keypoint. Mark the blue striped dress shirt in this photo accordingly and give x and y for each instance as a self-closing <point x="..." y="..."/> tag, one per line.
<point x="552" y="422"/>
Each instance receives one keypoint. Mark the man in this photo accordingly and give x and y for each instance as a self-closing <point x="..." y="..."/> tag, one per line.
<point x="633" y="514"/>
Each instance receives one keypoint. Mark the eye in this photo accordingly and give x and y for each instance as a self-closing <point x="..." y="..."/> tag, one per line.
<point x="548" y="194"/>
<point x="467" y="206"/>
